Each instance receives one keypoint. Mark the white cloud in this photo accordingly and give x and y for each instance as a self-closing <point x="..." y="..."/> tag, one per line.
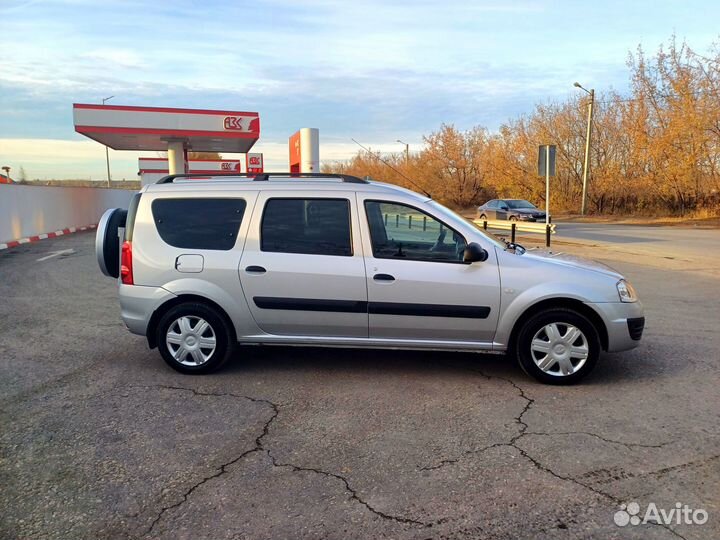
<point x="118" y="57"/>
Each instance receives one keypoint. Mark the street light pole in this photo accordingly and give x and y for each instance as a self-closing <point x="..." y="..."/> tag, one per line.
<point x="107" y="155"/>
<point x="407" y="152"/>
<point x="588" y="136"/>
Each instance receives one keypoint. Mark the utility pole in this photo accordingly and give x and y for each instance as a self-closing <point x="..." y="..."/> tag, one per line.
<point x="407" y="152"/>
<point x="586" y="163"/>
<point x="107" y="155"/>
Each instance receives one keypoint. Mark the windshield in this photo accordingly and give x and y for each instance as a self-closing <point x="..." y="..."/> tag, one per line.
<point x="520" y="204"/>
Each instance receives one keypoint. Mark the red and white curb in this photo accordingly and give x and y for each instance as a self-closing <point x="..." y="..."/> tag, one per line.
<point x="20" y="241"/>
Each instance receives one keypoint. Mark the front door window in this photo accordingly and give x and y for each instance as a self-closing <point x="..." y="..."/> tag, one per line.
<point x="403" y="232"/>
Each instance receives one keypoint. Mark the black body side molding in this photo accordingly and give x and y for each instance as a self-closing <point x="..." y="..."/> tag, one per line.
<point x="374" y="308"/>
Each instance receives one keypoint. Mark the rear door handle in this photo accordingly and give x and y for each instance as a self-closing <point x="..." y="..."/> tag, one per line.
<point x="383" y="277"/>
<point x="255" y="270"/>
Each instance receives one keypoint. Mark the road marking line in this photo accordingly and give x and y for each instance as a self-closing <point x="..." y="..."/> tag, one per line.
<point x="56" y="254"/>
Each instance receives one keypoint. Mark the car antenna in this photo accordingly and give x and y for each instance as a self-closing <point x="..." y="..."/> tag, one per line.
<point x="426" y="192"/>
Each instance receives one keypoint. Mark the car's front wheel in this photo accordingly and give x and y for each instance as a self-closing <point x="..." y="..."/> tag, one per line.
<point x="483" y="217"/>
<point x="558" y="346"/>
<point x="193" y="338"/>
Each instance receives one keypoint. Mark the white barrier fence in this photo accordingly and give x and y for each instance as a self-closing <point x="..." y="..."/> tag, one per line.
<point x="33" y="210"/>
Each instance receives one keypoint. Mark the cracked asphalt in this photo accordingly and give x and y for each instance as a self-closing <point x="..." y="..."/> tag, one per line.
<point x="99" y="439"/>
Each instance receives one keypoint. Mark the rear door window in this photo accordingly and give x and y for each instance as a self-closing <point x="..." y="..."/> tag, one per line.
<point x="199" y="223"/>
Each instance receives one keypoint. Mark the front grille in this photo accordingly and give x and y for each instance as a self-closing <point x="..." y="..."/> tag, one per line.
<point x="635" y="327"/>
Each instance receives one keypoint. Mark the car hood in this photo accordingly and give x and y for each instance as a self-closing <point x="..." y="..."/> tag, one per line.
<point x="566" y="259"/>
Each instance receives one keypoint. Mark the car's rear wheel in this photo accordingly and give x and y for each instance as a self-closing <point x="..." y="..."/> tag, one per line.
<point x="194" y="338"/>
<point x="513" y="218"/>
<point x="558" y="346"/>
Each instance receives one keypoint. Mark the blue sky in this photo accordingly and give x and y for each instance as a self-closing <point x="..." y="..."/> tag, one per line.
<point x="373" y="70"/>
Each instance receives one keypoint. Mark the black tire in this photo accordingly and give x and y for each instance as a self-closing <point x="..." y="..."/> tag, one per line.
<point x="221" y="330"/>
<point x="483" y="217"/>
<point x="513" y="218"/>
<point x="562" y="317"/>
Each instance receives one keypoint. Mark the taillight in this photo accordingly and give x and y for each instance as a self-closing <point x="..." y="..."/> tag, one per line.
<point x="126" y="271"/>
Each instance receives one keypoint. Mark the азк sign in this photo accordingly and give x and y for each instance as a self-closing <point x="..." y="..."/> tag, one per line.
<point x="234" y="123"/>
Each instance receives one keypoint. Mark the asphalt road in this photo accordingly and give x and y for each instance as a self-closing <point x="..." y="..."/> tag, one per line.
<point x="683" y="248"/>
<point x="666" y="240"/>
<point x="99" y="439"/>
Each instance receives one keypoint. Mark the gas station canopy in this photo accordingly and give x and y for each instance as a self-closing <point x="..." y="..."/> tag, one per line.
<point x="152" y="128"/>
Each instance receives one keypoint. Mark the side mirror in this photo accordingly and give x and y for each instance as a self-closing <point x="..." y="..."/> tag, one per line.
<point x="474" y="253"/>
<point x="504" y="207"/>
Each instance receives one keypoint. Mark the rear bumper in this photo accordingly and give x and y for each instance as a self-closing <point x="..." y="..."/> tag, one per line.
<point x="137" y="304"/>
<point x="624" y="323"/>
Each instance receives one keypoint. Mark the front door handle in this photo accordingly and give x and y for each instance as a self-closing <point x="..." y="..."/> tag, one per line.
<point x="383" y="277"/>
<point x="255" y="270"/>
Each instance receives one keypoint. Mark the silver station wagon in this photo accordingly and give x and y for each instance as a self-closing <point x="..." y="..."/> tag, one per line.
<point x="333" y="260"/>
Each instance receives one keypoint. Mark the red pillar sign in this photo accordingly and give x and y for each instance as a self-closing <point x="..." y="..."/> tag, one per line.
<point x="254" y="163"/>
<point x="294" y="145"/>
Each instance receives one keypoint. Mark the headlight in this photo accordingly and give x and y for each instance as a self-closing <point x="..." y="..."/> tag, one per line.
<point x="626" y="291"/>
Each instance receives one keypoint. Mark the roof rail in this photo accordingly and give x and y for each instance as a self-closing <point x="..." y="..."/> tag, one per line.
<point x="262" y="177"/>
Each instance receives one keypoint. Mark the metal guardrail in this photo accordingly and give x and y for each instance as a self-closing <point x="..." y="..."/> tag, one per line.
<point x="514" y="226"/>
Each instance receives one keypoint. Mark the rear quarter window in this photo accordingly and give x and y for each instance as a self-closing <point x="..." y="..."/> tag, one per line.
<point x="199" y="223"/>
<point x="310" y="226"/>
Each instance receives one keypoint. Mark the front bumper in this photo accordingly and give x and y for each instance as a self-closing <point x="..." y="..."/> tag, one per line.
<point x="624" y="322"/>
<point x="137" y="304"/>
